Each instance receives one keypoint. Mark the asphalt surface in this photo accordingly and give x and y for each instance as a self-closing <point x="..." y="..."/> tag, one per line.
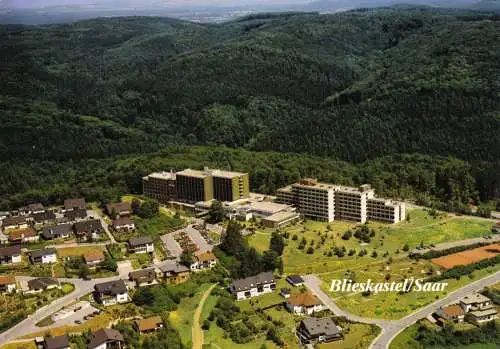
<point x="391" y="328"/>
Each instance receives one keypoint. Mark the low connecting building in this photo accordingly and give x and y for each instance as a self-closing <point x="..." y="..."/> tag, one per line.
<point x="253" y="286"/>
<point x="112" y="292"/>
<point x="141" y="244"/>
<point x="327" y="202"/>
<point x="45" y="256"/>
<point x="318" y="330"/>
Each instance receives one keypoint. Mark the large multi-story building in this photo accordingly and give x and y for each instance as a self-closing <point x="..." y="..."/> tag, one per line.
<point x="327" y="202"/>
<point x="160" y="186"/>
<point x="191" y="186"/>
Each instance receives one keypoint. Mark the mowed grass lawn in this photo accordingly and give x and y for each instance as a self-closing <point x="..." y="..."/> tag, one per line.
<point x="77" y="251"/>
<point x="389" y="238"/>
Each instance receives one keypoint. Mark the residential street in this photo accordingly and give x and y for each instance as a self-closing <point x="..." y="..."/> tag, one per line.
<point x="391" y="328"/>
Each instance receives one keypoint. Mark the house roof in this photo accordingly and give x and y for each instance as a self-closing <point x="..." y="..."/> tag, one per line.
<point x="88" y="226"/>
<point x="176" y="268"/>
<point x="320" y="326"/>
<point x="122" y="221"/>
<point x="451" y="312"/>
<point x="119" y="207"/>
<point x="149" y="324"/>
<point x="41" y="253"/>
<point x="44" y="216"/>
<point x="41" y="283"/>
<point x="102" y="336"/>
<point x="144" y="275"/>
<point x="7" y="280"/>
<point x="50" y="232"/>
<point x="93" y="256"/>
<point x="295" y="279"/>
<point x="253" y="281"/>
<point x="70" y="204"/>
<point x="78" y="213"/>
<point x="484" y="312"/>
<point x="474" y="298"/>
<point x="59" y="342"/>
<point x="21" y="233"/>
<point x="304" y="299"/>
<point x="14" y="220"/>
<point x="32" y="207"/>
<point x="10" y="251"/>
<point x="112" y="288"/>
<point x="140" y="240"/>
<point x="205" y="257"/>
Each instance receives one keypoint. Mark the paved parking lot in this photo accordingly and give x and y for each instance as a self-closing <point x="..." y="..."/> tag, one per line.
<point x="171" y="245"/>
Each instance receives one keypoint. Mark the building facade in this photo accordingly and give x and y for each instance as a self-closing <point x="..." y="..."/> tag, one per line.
<point x="327" y="202"/>
<point x="160" y="186"/>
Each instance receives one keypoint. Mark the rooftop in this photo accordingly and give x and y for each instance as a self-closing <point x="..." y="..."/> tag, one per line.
<point x="193" y="173"/>
<point x="147" y="275"/>
<point x="102" y="336"/>
<point x="304" y="299"/>
<point x="122" y="221"/>
<point x="41" y="253"/>
<point x="93" y="256"/>
<point x="140" y="240"/>
<point x="42" y="283"/>
<point x="21" y="233"/>
<point x="475" y="298"/>
<point x="59" y="342"/>
<point x="484" y="312"/>
<point x="10" y="251"/>
<point x="119" y="207"/>
<point x="320" y="326"/>
<point x="149" y="324"/>
<point x="87" y="226"/>
<point x="451" y="311"/>
<point x="60" y="229"/>
<point x="282" y="216"/>
<point x="14" y="220"/>
<point x="253" y="281"/>
<point x="268" y="207"/>
<point x="7" y="280"/>
<point x="176" y="268"/>
<point x="161" y="175"/>
<point x="112" y="288"/>
<point x="205" y="257"/>
<point x="75" y="203"/>
<point x="295" y="279"/>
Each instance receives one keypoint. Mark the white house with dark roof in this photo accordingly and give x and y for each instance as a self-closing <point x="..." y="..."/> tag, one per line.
<point x="8" y="283"/>
<point x="14" y="222"/>
<point x="106" y="338"/>
<point x="318" y="330"/>
<point x="60" y="231"/>
<point x="42" y="284"/>
<point x="123" y="223"/>
<point x="45" y="256"/>
<point x="58" y="342"/>
<point x="10" y="255"/>
<point x="253" y="286"/>
<point x="112" y="292"/>
<point x="75" y="204"/>
<point x="141" y="244"/>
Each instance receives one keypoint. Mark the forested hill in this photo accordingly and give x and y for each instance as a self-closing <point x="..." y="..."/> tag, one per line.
<point x="353" y="86"/>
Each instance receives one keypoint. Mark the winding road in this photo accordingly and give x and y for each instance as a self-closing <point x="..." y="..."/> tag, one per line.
<point x="391" y="328"/>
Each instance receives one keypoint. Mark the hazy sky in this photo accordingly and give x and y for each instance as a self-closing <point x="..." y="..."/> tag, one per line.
<point x="141" y="3"/>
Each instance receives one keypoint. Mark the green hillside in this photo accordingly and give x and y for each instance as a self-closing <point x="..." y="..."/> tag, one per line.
<point x="353" y="86"/>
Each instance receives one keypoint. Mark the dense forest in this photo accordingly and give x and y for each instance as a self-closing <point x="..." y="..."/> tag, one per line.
<point x="359" y="89"/>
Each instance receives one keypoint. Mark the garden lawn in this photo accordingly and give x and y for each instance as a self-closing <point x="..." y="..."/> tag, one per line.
<point x="356" y="336"/>
<point x="76" y="251"/>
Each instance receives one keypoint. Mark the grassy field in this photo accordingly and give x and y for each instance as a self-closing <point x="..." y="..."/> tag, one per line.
<point x="356" y="336"/>
<point x="406" y="340"/>
<point x="23" y="345"/>
<point x="182" y="318"/>
<point x="77" y="251"/>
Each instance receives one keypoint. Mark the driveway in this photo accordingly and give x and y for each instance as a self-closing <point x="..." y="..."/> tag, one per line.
<point x="124" y="268"/>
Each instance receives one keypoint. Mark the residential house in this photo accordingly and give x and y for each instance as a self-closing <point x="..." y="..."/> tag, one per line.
<point x="88" y="230"/>
<point x="453" y="313"/>
<point x="93" y="258"/>
<point x="143" y="277"/>
<point x="253" y="286"/>
<point x="45" y="256"/>
<point x="202" y="261"/>
<point x="175" y="274"/>
<point x="141" y="244"/>
<point x="10" y="255"/>
<point x="42" y="284"/>
<point x="148" y="325"/>
<point x="318" y="330"/>
<point x="60" y="231"/>
<point x="59" y="342"/>
<point x="75" y="215"/>
<point x="123" y="223"/>
<point x="106" y="338"/>
<point x="44" y="217"/>
<point x="75" y="204"/>
<point x="31" y="209"/>
<point x="475" y="301"/>
<point x="8" y="284"/>
<point x="295" y="280"/>
<point x="496" y="228"/>
<point x="112" y="292"/>
<point x="304" y="304"/>
<point x="23" y="236"/>
<point x="119" y="209"/>
<point x="14" y="222"/>
<point x="484" y="315"/>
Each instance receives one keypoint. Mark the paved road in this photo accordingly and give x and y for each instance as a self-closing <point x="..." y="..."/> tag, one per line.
<point x="82" y="287"/>
<point x="391" y="328"/>
<point x="197" y="331"/>
<point x="447" y="245"/>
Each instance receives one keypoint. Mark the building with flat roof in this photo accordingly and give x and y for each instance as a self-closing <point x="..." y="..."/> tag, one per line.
<point x="160" y="186"/>
<point x="191" y="186"/>
<point x="327" y="202"/>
